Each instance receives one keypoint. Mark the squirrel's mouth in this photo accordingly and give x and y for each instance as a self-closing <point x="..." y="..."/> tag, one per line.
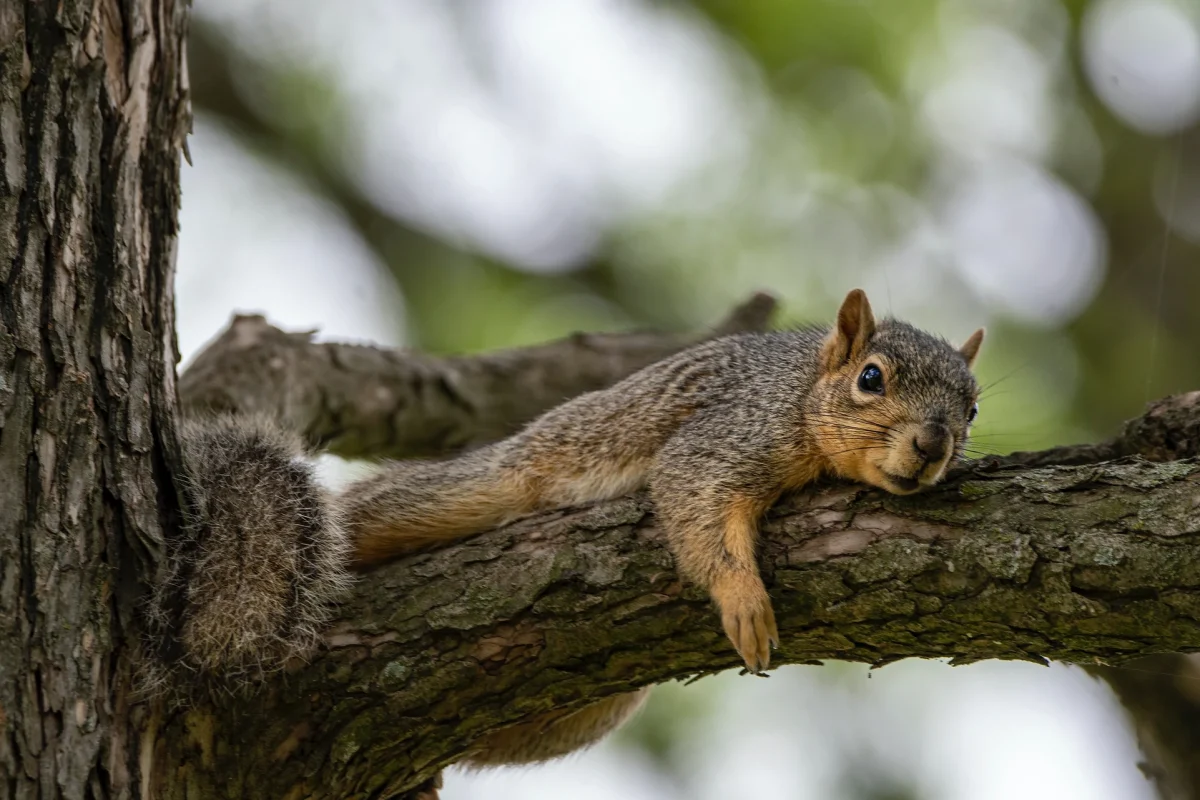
<point x="902" y="483"/>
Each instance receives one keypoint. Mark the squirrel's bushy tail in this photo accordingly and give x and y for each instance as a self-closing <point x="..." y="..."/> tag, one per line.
<point x="247" y="583"/>
<point x="414" y="505"/>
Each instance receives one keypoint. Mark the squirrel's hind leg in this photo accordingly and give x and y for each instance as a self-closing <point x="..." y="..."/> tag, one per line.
<point x="546" y="736"/>
<point x="555" y="733"/>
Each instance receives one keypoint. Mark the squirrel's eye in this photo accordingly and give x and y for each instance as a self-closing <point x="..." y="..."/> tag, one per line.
<point x="974" y="412"/>
<point x="871" y="380"/>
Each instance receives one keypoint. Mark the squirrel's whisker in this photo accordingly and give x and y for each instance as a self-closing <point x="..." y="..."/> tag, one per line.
<point x="858" y="450"/>
<point x="847" y="419"/>
<point x="1004" y="377"/>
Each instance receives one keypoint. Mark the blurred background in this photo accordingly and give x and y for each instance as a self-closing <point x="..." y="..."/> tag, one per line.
<point x="459" y="175"/>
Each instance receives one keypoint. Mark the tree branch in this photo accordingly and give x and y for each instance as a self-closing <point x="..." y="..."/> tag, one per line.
<point x="1063" y="554"/>
<point x="360" y="401"/>
<point x="1086" y="564"/>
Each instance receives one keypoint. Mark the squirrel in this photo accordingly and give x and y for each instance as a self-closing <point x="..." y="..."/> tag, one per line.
<point x="717" y="433"/>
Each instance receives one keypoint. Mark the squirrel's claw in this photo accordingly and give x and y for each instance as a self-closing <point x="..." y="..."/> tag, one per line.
<point x="748" y="619"/>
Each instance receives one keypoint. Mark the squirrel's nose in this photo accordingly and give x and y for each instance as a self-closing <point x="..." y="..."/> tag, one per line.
<point x="932" y="442"/>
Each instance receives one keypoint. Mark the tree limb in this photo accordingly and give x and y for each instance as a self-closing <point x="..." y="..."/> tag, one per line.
<point x="1160" y="693"/>
<point x="505" y="626"/>
<point x="360" y="401"/>
<point x="1090" y="563"/>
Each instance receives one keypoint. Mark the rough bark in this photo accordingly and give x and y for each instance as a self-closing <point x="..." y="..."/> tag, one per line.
<point x="1090" y="563"/>
<point x="354" y="400"/>
<point x="92" y="113"/>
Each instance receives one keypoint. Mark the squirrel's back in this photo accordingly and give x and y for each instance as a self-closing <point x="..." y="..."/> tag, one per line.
<point x="594" y="446"/>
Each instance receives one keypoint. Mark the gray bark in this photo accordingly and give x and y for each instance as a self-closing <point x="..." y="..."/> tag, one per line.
<point x="93" y="111"/>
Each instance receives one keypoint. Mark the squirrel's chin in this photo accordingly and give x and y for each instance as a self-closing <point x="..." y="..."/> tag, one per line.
<point x="897" y="484"/>
<point x="900" y="485"/>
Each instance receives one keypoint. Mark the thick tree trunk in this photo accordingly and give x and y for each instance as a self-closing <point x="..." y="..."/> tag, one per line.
<point x="93" y="111"/>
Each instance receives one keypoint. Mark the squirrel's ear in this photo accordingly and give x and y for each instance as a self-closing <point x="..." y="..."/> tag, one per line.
<point x="970" y="348"/>
<point x="855" y="327"/>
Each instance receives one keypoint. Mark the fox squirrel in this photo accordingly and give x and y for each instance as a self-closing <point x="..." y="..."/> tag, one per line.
<point x="716" y="432"/>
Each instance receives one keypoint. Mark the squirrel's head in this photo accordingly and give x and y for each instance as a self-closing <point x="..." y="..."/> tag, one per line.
<point x="893" y="405"/>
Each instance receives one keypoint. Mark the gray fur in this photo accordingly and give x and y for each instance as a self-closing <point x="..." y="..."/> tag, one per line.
<point x="248" y="582"/>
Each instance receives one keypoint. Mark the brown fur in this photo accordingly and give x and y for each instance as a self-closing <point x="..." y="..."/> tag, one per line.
<point x="461" y="501"/>
<point x="555" y="733"/>
<point x="746" y="612"/>
<point x="716" y="433"/>
<point x="970" y="348"/>
<point x="546" y="737"/>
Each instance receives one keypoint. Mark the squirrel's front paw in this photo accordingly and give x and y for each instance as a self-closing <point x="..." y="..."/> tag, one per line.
<point x="747" y="616"/>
